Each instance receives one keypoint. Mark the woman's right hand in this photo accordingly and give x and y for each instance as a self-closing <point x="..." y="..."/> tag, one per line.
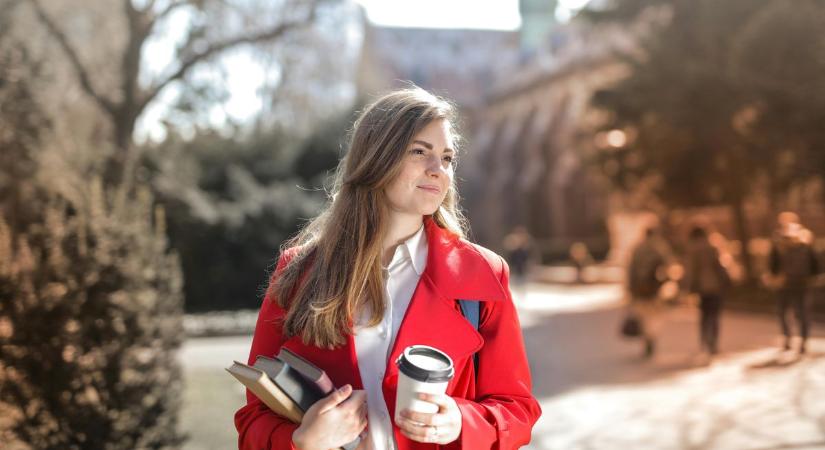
<point x="333" y="421"/>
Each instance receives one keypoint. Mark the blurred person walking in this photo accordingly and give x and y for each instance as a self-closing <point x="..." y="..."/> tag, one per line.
<point x="707" y="277"/>
<point x="581" y="258"/>
<point x="793" y="264"/>
<point x="519" y="247"/>
<point x="645" y="275"/>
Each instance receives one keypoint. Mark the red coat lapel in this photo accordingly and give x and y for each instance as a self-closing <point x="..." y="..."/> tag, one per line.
<point x="455" y="270"/>
<point x="458" y="268"/>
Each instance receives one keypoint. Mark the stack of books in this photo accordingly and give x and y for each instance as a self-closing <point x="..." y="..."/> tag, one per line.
<point x="288" y="384"/>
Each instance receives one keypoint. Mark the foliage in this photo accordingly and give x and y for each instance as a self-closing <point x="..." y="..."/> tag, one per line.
<point x="233" y="201"/>
<point x="90" y="299"/>
<point x="718" y="95"/>
<point x="723" y="101"/>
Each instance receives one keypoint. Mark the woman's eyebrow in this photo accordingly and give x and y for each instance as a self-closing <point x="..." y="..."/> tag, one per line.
<point x="424" y="143"/>
<point x="430" y="146"/>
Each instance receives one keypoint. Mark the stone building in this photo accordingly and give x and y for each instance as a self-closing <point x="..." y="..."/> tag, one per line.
<point x="527" y="165"/>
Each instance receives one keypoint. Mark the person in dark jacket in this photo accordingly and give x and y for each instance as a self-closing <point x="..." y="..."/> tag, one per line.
<point x="646" y="273"/>
<point x="793" y="263"/>
<point x="706" y="276"/>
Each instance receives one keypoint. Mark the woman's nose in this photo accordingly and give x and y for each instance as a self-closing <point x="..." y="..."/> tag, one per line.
<point x="434" y="165"/>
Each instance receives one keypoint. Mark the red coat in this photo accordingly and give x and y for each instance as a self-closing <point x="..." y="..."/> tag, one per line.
<point x="497" y="408"/>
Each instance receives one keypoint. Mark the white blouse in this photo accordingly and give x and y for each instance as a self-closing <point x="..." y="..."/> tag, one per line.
<point x="373" y="344"/>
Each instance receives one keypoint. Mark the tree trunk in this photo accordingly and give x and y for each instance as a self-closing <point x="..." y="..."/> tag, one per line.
<point x="124" y="122"/>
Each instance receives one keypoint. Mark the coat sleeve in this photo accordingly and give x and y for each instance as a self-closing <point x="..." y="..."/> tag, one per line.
<point x="258" y="426"/>
<point x="504" y="411"/>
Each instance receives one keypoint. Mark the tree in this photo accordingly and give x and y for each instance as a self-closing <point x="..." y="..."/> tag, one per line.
<point x="702" y="118"/>
<point x="90" y="297"/>
<point x="203" y="41"/>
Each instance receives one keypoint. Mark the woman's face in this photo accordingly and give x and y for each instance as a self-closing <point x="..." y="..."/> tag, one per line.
<point x="426" y="172"/>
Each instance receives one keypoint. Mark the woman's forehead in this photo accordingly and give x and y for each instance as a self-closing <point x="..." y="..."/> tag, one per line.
<point x="437" y="133"/>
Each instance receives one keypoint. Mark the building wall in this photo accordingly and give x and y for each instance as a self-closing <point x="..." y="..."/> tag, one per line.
<point x="527" y="163"/>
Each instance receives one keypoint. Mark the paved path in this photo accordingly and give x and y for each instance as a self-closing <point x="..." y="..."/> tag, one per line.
<point x="595" y="390"/>
<point x="597" y="393"/>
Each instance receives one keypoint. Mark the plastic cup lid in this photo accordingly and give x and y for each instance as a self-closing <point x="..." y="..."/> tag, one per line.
<point x="426" y="364"/>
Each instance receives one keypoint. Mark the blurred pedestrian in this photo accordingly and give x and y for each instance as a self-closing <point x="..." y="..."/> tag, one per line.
<point x="519" y="247"/>
<point x="707" y="277"/>
<point x="581" y="258"/>
<point x="793" y="264"/>
<point x="645" y="275"/>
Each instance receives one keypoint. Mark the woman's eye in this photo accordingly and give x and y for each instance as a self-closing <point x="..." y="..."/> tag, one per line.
<point x="417" y="151"/>
<point x="448" y="158"/>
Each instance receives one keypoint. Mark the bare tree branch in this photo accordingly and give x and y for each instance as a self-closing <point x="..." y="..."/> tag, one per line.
<point x="74" y="59"/>
<point x="218" y="47"/>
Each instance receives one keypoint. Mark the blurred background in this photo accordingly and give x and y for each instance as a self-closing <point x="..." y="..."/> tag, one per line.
<point x="154" y="155"/>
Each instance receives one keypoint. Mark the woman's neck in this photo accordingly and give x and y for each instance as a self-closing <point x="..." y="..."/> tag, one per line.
<point x="400" y="228"/>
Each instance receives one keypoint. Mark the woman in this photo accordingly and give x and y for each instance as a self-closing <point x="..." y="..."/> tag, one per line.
<point x="382" y="269"/>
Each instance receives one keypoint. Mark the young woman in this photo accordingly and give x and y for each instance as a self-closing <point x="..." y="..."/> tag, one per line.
<point x="383" y="268"/>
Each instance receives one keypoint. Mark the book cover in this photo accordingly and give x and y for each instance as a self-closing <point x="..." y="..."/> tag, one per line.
<point x="308" y="370"/>
<point x="257" y="381"/>
<point x="292" y="383"/>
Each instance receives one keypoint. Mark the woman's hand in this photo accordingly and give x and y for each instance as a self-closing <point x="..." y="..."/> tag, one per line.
<point x="442" y="427"/>
<point x="333" y="421"/>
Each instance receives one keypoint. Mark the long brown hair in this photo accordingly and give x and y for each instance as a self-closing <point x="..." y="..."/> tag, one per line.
<point x="336" y="270"/>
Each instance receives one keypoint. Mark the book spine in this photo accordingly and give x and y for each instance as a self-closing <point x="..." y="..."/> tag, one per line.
<point x="303" y="393"/>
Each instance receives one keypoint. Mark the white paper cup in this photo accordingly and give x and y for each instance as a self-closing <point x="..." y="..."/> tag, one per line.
<point x="421" y="369"/>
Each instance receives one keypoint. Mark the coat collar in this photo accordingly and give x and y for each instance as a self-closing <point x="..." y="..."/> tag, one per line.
<point x="458" y="269"/>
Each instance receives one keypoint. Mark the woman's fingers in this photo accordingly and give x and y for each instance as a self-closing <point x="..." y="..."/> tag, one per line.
<point x="423" y="433"/>
<point x="354" y="403"/>
<point x="334" y="399"/>
<point x="424" y="419"/>
<point x="442" y="400"/>
<point x="442" y="427"/>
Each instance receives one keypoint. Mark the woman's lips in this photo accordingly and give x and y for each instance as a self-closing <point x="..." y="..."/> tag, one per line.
<point x="431" y="189"/>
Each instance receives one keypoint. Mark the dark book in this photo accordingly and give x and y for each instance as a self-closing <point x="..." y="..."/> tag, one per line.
<point x="290" y="381"/>
<point x="308" y="370"/>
